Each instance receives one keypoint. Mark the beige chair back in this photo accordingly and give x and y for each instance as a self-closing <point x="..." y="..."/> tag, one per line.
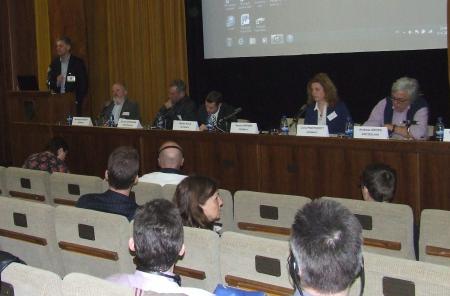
<point x="434" y="240"/>
<point x="3" y="181"/>
<point x="387" y="227"/>
<point x="255" y="263"/>
<point x="77" y="284"/>
<point x="226" y="212"/>
<point x="28" y="184"/>
<point x="65" y="189"/>
<point x="93" y="242"/>
<point x="168" y="191"/>
<point x="266" y="214"/>
<point x="145" y="192"/>
<point x="26" y="280"/>
<point x="27" y="230"/>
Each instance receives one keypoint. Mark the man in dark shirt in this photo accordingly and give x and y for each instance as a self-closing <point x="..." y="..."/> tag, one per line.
<point x="122" y="174"/>
<point x="178" y="107"/>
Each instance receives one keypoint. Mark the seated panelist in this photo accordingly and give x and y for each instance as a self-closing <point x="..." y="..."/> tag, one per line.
<point x="404" y="112"/>
<point x="120" y="106"/>
<point x="324" y="106"/>
<point x="214" y="112"/>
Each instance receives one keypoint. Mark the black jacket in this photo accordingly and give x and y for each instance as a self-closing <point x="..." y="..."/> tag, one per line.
<point x="130" y="110"/>
<point x="185" y="109"/>
<point x="224" y="111"/>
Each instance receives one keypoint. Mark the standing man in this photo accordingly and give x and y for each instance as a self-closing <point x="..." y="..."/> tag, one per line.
<point x="120" y="106"/>
<point x="67" y="73"/>
<point x="214" y="111"/>
<point x="178" y="107"/>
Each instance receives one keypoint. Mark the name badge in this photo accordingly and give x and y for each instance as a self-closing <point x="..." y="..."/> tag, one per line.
<point x="447" y="135"/>
<point x="184" y="125"/>
<point x="126" y="113"/>
<point x="244" y="128"/>
<point x="370" y="132"/>
<point x="306" y="130"/>
<point x="71" y="78"/>
<point x="128" y="123"/>
<point x="332" y="116"/>
<point x="82" y="121"/>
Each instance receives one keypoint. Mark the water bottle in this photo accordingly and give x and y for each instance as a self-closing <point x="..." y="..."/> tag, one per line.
<point x="210" y="124"/>
<point x="284" y="127"/>
<point x="69" y="119"/>
<point x="160" y="122"/>
<point x="111" y="121"/>
<point x="349" y="128"/>
<point x="439" y="130"/>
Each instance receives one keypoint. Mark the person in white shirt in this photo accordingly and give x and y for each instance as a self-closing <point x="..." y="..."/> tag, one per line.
<point x="158" y="243"/>
<point x="170" y="161"/>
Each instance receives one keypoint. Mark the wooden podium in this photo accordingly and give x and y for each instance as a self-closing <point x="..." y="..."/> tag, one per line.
<point x="39" y="106"/>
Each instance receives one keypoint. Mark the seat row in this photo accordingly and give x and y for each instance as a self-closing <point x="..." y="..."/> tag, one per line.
<point x="387" y="228"/>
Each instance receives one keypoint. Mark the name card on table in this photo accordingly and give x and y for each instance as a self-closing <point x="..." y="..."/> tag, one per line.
<point x="128" y="123"/>
<point x="244" y="128"/>
<point x="447" y="135"/>
<point x="184" y="125"/>
<point x="306" y="130"/>
<point x="370" y="132"/>
<point x="82" y="121"/>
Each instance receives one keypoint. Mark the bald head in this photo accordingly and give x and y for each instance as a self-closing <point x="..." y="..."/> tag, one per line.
<point x="170" y="156"/>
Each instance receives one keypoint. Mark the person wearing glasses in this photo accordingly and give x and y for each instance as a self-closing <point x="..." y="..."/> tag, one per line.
<point x="404" y="112"/>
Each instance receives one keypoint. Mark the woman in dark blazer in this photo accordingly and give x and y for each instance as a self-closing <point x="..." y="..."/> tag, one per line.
<point x="324" y="106"/>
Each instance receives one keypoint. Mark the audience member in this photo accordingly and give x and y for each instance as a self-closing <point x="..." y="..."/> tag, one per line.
<point x="50" y="160"/>
<point x="404" y="113"/>
<point x="120" y="106"/>
<point x="326" y="249"/>
<point x="67" y="73"/>
<point x="324" y="106"/>
<point x="170" y="161"/>
<point x="214" y="111"/>
<point x="122" y="174"/>
<point x="378" y="182"/>
<point x="199" y="202"/>
<point x="178" y="107"/>
<point x="157" y="243"/>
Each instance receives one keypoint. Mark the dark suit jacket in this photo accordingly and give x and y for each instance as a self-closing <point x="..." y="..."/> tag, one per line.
<point x="130" y="110"/>
<point x="185" y="108"/>
<point x="109" y="202"/>
<point x="335" y="126"/>
<point x="224" y="111"/>
<point x="76" y="68"/>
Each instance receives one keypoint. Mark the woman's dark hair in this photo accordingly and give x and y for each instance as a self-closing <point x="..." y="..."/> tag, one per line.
<point x="192" y="192"/>
<point x="56" y="143"/>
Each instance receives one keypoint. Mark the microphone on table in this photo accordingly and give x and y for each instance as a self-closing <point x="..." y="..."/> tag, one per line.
<point x="229" y="116"/>
<point x="299" y="113"/>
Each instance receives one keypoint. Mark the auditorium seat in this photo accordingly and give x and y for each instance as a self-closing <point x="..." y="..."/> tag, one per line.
<point x="65" y="189"/>
<point x="76" y="284"/>
<point x="434" y="240"/>
<point x="28" y="184"/>
<point x="226" y="212"/>
<point x="145" y="192"/>
<point x="27" y="230"/>
<point x="266" y="214"/>
<point x="93" y="242"/>
<point x="200" y="265"/>
<point x="387" y="227"/>
<point x="255" y="263"/>
<point x="25" y="280"/>
<point x="3" y="181"/>
<point x="390" y="276"/>
<point x="168" y="191"/>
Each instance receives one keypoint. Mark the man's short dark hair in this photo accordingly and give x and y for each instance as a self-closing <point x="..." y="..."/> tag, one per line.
<point x="179" y="84"/>
<point x="65" y="39"/>
<point x="123" y="167"/>
<point x="214" y="97"/>
<point x="55" y="143"/>
<point x="380" y="180"/>
<point x="326" y="242"/>
<point x="158" y="235"/>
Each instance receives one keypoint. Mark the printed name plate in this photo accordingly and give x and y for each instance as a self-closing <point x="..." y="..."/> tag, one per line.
<point x="447" y="135"/>
<point x="128" y="123"/>
<point x="305" y="130"/>
<point x="370" y="132"/>
<point x="82" y="121"/>
<point x="244" y="128"/>
<point x="184" y="125"/>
